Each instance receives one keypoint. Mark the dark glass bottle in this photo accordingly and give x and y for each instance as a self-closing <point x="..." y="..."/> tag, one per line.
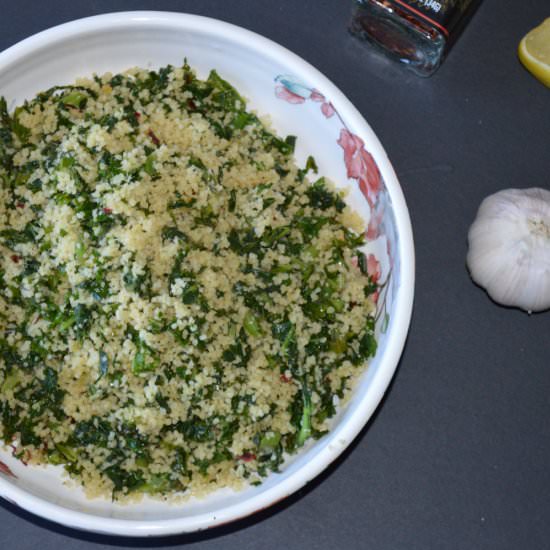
<point x="417" y="33"/>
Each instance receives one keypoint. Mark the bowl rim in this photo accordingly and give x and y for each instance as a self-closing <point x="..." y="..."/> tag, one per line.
<point x="404" y="296"/>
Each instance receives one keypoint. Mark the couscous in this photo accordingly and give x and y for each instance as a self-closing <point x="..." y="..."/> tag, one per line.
<point x="180" y="304"/>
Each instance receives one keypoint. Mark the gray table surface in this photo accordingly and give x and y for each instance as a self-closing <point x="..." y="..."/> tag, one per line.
<point x="457" y="455"/>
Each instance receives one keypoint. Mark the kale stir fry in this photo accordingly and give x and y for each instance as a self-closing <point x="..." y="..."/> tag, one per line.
<point x="181" y="306"/>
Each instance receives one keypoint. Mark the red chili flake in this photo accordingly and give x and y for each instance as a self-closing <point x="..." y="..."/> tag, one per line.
<point x="191" y="104"/>
<point x="285" y="378"/>
<point x="107" y="211"/>
<point x="247" y="457"/>
<point x="154" y="138"/>
<point x="20" y="205"/>
<point x="15" y="258"/>
<point x="137" y="115"/>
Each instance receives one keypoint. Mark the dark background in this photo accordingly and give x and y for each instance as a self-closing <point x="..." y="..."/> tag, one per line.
<point x="458" y="454"/>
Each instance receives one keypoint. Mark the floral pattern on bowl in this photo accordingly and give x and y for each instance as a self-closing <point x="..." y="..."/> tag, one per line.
<point x="361" y="167"/>
<point x="6" y="470"/>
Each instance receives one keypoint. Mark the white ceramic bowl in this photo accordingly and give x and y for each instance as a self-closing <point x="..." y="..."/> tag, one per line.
<point x="300" y="101"/>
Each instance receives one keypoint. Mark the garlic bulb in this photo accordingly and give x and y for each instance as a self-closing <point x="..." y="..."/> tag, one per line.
<point x="509" y="248"/>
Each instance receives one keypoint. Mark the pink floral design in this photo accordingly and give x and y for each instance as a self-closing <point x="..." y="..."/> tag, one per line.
<point x="5" y="469"/>
<point x="316" y="96"/>
<point x="373" y="268"/>
<point x="327" y="109"/>
<point x="374" y="271"/>
<point x="360" y="165"/>
<point x="296" y="93"/>
<point x="285" y="94"/>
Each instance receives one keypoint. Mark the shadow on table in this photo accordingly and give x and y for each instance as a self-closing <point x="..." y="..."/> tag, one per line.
<point x="215" y="532"/>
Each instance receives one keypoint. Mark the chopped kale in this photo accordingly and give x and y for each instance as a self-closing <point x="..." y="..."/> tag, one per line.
<point x="140" y="283"/>
<point x="320" y="197"/>
<point x="233" y="277"/>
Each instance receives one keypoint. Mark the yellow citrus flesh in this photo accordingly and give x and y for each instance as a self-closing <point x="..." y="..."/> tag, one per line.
<point x="534" y="52"/>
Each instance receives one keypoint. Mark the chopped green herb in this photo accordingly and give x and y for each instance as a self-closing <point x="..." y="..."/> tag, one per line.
<point x="177" y="293"/>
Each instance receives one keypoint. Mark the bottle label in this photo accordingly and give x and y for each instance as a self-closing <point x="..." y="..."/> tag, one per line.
<point x="443" y="14"/>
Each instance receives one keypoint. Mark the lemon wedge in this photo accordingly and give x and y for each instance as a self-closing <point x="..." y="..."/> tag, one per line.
<point x="534" y="52"/>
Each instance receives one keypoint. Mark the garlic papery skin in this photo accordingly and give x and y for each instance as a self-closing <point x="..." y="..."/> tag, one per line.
<point x="509" y="248"/>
